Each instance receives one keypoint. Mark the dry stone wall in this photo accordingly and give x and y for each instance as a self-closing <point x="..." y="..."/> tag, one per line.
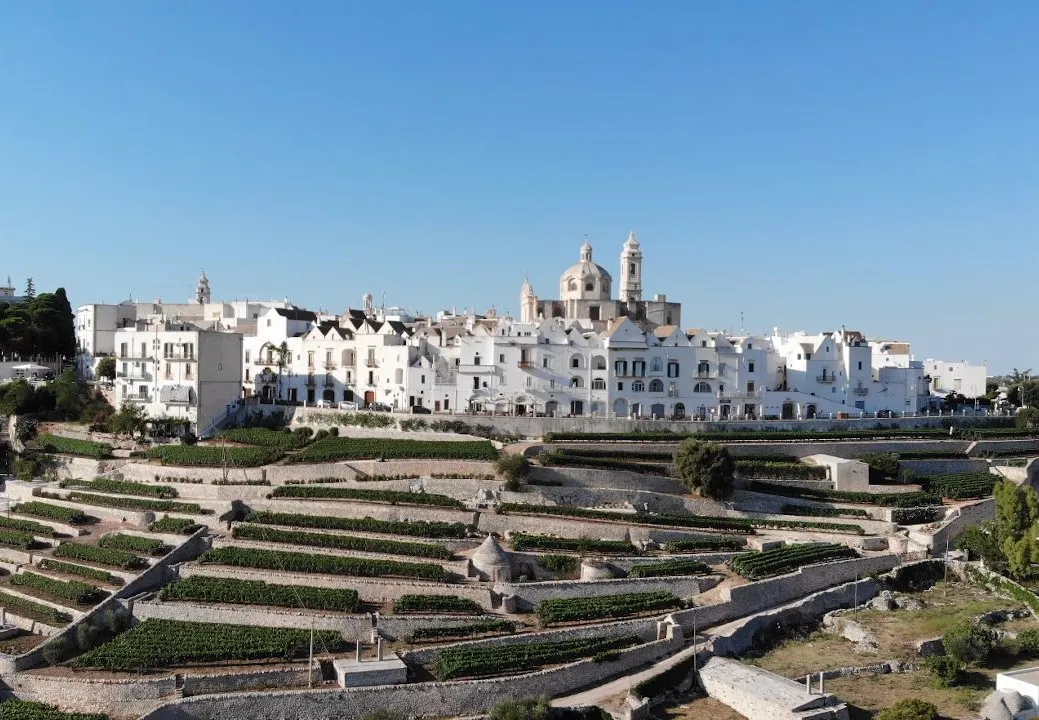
<point x="528" y="595"/>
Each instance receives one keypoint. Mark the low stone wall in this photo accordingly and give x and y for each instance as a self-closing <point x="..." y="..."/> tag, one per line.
<point x="449" y="699"/>
<point x="967" y="516"/>
<point x="528" y="595"/>
<point x="359" y="509"/>
<point x="288" y="677"/>
<point x="572" y="527"/>
<point x="353" y="627"/>
<point x="117" y="698"/>
<point x="615" y="479"/>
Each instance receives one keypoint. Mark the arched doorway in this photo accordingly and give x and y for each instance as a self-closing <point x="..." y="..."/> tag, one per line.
<point x="267" y="393"/>
<point x="329" y="395"/>
<point x="810" y="412"/>
<point x="620" y="407"/>
<point x="788" y="411"/>
<point x="636" y="409"/>
<point x="679" y="411"/>
<point x="657" y="410"/>
<point x="551" y="408"/>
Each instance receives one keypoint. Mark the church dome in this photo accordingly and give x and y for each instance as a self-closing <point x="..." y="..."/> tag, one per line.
<point x="585" y="280"/>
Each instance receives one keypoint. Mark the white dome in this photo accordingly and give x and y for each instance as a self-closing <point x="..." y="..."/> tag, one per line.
<point x="585" y="280"/>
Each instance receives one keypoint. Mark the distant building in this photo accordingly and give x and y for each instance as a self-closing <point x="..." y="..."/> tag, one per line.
<point x="7" y="294"/>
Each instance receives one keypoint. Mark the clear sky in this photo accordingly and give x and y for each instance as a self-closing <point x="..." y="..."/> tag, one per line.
<point x="809" y="164"/>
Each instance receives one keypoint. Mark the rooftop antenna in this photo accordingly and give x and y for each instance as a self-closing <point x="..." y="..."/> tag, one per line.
<point x="742" y="330"/>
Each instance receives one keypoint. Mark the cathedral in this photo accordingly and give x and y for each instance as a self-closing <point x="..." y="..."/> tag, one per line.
<point x="586" y="294"/>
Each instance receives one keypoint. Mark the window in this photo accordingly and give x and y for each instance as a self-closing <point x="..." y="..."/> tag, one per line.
<point x="620" y="387"/>
<point x="371" y="377"/>
<point x="750" y="386"/>
<point x="247" y="374"/>
<point x="798" y="356"/>
<point x="328" y="357"/>
<point x="476" y="383"/>
<point x="750" y="346"/>
<point x="620" y="367"/>
<point x="544" y="362"/>
<point x="638" y="386"/>
<point x="750" y="367"/>
<point x="187" y="370"/>
<point x="860" y="364"/>
<point x="701" y="387"/>
<point x="600" y="362"/>
<point x="268" y="322"/>
<point x="501" y="357"/>
<point x="598" y="384"/>
<point x="572" y="285"/>
<point x="721" y="387"/>
<point x="551" y="384"/>
<point x="422" y="379"/>
<point x="575" y="382"/>
<point x="530" y="381"/>
<point x="703" y="343"/>
<point x="575" y="362"/>
<point x="169" y="372"/>
<point x="656" y="385"/>
<point x="672" y="369"/>
<point x="638" y="368"/>
<point x="476" y="360"/>
<point x="144" y="350"/>
<point x="631" y="268"/>
<point x="589" y="286"/>
<point x="808" y="356"/>
<point x="656" y="365"/>
<point x="310" y="359"/>
<point x="246" y="355"/>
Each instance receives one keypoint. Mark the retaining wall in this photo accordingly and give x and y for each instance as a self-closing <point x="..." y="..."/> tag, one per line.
<point x="528" y="595"/>
<point x="969" y="515"/>
<point x="360" y="509"/>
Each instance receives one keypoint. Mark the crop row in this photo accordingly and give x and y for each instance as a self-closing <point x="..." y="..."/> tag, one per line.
<point x="473" y="661"/>
<point x="72" y="446"/>
<point x="72" y="516"/>
<point x="201" y="588"/>
<point x="597" y="607"/>
<point x="262" y="437"/>
<point x="170" y="643"/>
<point x="134" y="543"/>
<point x="522" y="542"/>
<point x="17" y="539"/>
<point x="109" y="557"/>
<point x="436" y="604"/>
<point x="704" y="543"/>
<point x="735" y="525"/>
<point x="755" y="566"/>
<point x="753" y="468"/>
<point x="27" y="526"/>
<point x="915" y="516"/>
<point x="265" y="533"/>
<point x="80" y="570"/>
<point x="141" y="504"/>
<point x="33" y="610"/>
<point x="822" y="511"/>
<point x="78" y="592"/>
<point x="122" y="487"/>
<point x="213" y="456"/>
<point x="394" y="497"/>
<point x="907" y="499"/>
<point x="414" y="528"/>
<point x="177" y="526"/>
<point x="328" y="564"/>
<point x="32" y="710"/>
<point x="457" y="632"/>
<point x="341" y="448"/>
<point x="963" y="486"/>
<point x="566" y="459"/>
<point x="668" y="568"/>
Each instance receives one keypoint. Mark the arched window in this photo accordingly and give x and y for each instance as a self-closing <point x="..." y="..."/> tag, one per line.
<point x="638" y="386"/>
<point x="572" y="285"/>
<point x="679" y="411"/>
<point x="631" y="268"/>
<point x="398" y="376"/>
<point x="701" y="387"/>
<point x="598" y="384"/>
<point x="656" y="385"/>
<point x="599" y="362"/>
<point x="589" y="286"/>
<point x="656" y="365"/>
<point x="576" y="382"/>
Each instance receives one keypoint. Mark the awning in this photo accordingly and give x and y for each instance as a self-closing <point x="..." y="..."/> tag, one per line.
<point x="175" y="394"/>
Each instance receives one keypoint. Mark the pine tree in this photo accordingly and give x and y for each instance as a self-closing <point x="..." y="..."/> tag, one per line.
<point x="30" y="290"/>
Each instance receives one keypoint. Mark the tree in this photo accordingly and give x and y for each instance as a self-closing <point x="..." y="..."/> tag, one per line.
<point x="969" y="642"/>
<point x="946" y="669"/>
<point x="910" y="709"/>
<point x="106" y="368"/>
<point x="706" y="468"/>
<point x="1028" y="418"/>
<point x="30" y="290"/>
<point x="283" y="357"/>
<point x="529" y="708"/>
<point x="513" y="468"/>
<point x="1015" y="526"/>
<point x="130" y="419"/>
<point x="69" y="394"/>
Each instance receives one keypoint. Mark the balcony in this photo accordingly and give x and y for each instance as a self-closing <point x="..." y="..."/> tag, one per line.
<point x="739" y="395"/>
<point x="826" y="378"/>
<point x="311" y="382"/>
<point x="525" y="364"/>
<point x="178" y="358"/>
<point x="134" y="375"/>
<point x="476" y="369"/>
<point x="329" y="381"/>
<point x="138" y="398"/>
<point x="706" y="374"/>
<point x="371" y="362"/>
<point x="265" y="361"/>
<point x="330" y="366"/>
<point x="861" y="391"/>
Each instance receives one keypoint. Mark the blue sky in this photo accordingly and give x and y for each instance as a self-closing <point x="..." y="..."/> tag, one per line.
<point x="810" y="164"/>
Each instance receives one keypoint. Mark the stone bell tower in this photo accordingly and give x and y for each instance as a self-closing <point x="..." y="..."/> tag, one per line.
<point x="631" y="271"/>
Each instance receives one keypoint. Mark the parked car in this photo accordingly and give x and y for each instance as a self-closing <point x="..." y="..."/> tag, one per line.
<point x="347" y="405"/>
<point x="379" y="407"/>
<point x="420" y="410"/>
<point x="883" y="413"/>
<point x="325" y="404"/>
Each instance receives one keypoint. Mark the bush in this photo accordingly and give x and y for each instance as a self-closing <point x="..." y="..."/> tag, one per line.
<point x="78" y="592"/>
<point x="457" y="632"/>
<point x="597" y="607"/>
<point x="80" y="570"/>
<point x="33" y="611"/>
<point x="522" y="542"/>
<point x="969" y="643"/>
<point x="963" y="486"/>
<point x="25" y="428"/>
<point x="270" y="439"/>
<point x="705" y="467"/>
<point x="214" y="456"/>
<point x="122" y="487"/>
<point x="704" y="543"/>
<point x="822" y="511"/>
<point x="27" y="526"/>
<point x="531" y="708"/>
<point x="881" y="464"/>
<point x="436" y="604"/>
<point x="781" y="560"/>
<point x="945" y="668"/>
<point x="329" y="564"/>
<point x="776" y="470"/>
<point x="102" y="556"/>
<point x="910" y="709"/>
<point x="178" y="526"/>
<point x="906" y="499"/>
<point x="31" y="710"/>
<point x="134" y="543"/>
<point x="513" y="468"/>
<point x="343" y="542"/>
<point x="560" y="564"/>
<point x="133" y="503"/>
<point x="668" y="568"/>
<point x="1028" y="640"/>
<point x="495" y="659"/>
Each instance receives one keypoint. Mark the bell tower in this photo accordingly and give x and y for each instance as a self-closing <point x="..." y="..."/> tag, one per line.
<point x="528" y="303"/>
<point x="202" y="292"/>
<point x="631" y="270"/>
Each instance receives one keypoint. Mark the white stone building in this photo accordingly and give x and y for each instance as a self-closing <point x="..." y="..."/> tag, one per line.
<point x="959" y="377"/>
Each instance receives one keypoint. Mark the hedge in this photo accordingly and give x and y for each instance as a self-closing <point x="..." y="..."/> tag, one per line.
<point x="27" y="526"/>
<point x="17" y="539"/>
<point x="122" y="487"/>
<point x="80" y="570"/>
<point x="72" y="516"/>
<point x="597" y="607"/>
<point x="141" y="504"/>
<point x="170" y="643"/>
<point x="33" y="610"/>
<point x="821" y="511"/>
<point x="483" y="627"/>
<point x="789" y="469"/>
<point x="436" y="604"/>
<point x="78" y="592"/>
<point x="200" y="588"/>
<point x="72" y="446"/>
<point x="907" y="499"/>
<point x="392" y="497"/>
<point x="522" y="541"/>
<point x="328" y="564"/>
<point x="102" y="556"/>
<point x="778" y="470"/>
<point x="963" y="486"/>
<point x="332" y="449"/>
<point x="915" y="516"/>
<point x="343" y="542"/>
<point x="214" y="456"/>
<point x="704" y="543"/>
<point x="32" y="710"/>
<point x="563" y="459"/>
<point x="270" y="439"/>
<point x="415" y="528"/>
<point x="493" y="659"/>
<point x="668" y="568"/>
<point x="178" y="526"/>
<point x="758" y="565"/>
<point x="134" y="543"/>
<point x="560" y="564"/>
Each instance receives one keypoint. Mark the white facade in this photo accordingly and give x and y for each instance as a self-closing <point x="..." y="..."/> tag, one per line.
<point x="958" y="377"/>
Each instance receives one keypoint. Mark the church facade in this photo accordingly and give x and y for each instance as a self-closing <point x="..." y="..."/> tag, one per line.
<point x="586" y="295"/>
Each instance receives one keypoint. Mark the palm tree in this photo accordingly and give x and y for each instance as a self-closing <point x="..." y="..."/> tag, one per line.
<point x="282" y="361"/>
<point x="1019" y="376"/>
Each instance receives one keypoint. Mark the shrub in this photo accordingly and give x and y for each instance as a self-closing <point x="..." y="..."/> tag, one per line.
<point x="597" y="607"/>
<point x="776" y="470"/>
<point x="332" y="449"/>
<point x="201" y="588"/>
<point x="474" y="661"/>
<point x="27" y="526"/>
<point x="739" y="525"/>
<point x="702" y="544"/>
<point x="122" y="487"/>
<point x="328" y="564"/>
<point x="169" y="643"/>
<point x="388" y="496"/>
<point x="907" y="499"/>
<point x="416" y="528"/>
<point x="560" y="564"/>
<point x="881" y="464"/>
<point x="179" y="526"/>
<point x="1029" y="641"/>
<point x="343" y="542"/>
<point x="915" y="516"/>
<point x="25" y="428"/>
<point x="513" y="468"/>
<point x="148" y="546"/>
<point x="72" y="516"/>
<point x="531" y="708"/>
<point x="31" y="710"/>
<point x="71" y="446"/>
<point x="963" y="486"/>
<point x="705" y="468"/>
<point x="214" y="456"/>
<point x="17" y="539"/>
<point x="102" y="556"/>
<point x="910" y="709"/>
<point x="679" y="566"/>
<point x="436" y="604"/>
<point x="945" y="668"/>
<point x="456" y="632"/>
<point x="755" y="566"/>
<point x="822" y="511"/>
<point x="969" y="642"/>
<point x="78" y="592"/>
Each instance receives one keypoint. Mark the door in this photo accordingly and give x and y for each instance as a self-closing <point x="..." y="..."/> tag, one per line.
<point x="810" y="412"/>
<point x="310" y="395"/>
<point x="576" y="407"/>
<point x="369" y="397"/>
<point x="656" y="410"/>
<point x="788" y="411"/>
<point x="436" y="406"/>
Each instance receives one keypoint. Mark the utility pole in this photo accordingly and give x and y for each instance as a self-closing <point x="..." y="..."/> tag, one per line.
<point x="310" y="662"/>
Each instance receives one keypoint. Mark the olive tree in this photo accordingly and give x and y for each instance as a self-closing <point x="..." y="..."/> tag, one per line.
<point x="706" y="468"/>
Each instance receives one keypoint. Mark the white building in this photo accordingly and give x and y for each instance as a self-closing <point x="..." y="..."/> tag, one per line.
<point x="178" y="372"/>
<point x="958" y="377"/>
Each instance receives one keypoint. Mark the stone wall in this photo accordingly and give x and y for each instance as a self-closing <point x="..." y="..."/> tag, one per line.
<point x="286" y="677"/>
<point x="943" y="467"/>
<point x="595" y="478"/>
<point x="528" y="595"/>
<point x="358" y="509"/>
<point x="968" y="515"/>
<point x="117" y="698"/>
